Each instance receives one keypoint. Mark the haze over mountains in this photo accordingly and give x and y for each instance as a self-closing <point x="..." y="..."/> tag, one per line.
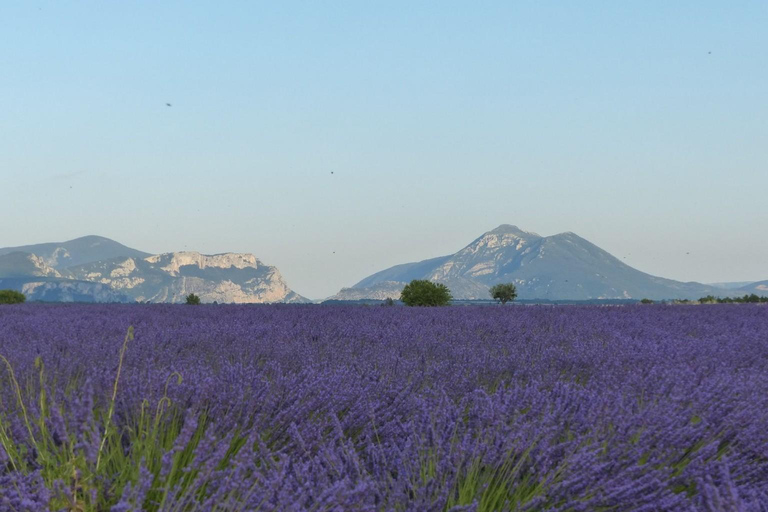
<point x="559" y="267"/>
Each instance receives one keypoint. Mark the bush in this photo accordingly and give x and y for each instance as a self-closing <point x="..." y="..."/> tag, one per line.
<point x="503" y="292"/>
<point x="646" y="301"/>
<point x="11" y="297"/>
<point x="193" y="300"/>
<point x="421" y="292"/>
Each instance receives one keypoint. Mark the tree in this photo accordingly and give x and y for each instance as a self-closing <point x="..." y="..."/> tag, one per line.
<point x="646" y="301"/>
<point x="193" y="300"/>
<point x="420" y="292"/>
<point x="11" y="297"/>
<point x="503" y="292"/>
<point x="388" y="302"/>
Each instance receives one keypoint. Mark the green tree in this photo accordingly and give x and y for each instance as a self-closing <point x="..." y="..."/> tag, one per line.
<point x="193" y="300"/>
<point x="421" y="292"/>
<point x="503" y="292"/>
<point x="646" y="301"/>
<point x="709" y="299"/>
<point x="11" y="297"/>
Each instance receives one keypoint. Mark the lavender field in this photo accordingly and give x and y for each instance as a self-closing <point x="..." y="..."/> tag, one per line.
<point x="293" y="408"/>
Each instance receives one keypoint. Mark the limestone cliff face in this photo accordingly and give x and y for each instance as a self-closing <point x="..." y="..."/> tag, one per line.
<point x="170" y="277"/>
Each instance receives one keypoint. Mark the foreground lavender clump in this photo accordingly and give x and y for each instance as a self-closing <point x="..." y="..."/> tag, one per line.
<point x="289" y="408"/>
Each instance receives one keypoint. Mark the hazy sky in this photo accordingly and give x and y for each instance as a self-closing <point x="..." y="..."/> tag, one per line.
<point x="334" y="139"/>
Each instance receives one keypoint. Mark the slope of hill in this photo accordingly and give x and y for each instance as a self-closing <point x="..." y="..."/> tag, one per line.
<point x="559" y="267"/>
<point x="758" y="288"/>
<point x="51" y="289"/>
<point x="79" y="251"/>
<point x="731" y="285"/>
<point x="24" y="264"/>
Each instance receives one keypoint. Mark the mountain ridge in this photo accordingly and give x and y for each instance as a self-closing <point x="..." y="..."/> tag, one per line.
<point x="84" y="249"/>
<point x="563" y="266"/>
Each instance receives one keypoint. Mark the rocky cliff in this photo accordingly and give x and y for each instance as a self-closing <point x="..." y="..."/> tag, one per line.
<point x="98" y="269"/>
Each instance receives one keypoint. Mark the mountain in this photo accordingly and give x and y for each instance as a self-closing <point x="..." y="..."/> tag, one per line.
<point x="559" y="267"/>
<point x="731" y="285"/>
<point x="32" y="276"/>
<point x="758" y="288"/>
<point x="98" y="269"/>
<point x="170" y="277"/>
<point x="79" y="251"/>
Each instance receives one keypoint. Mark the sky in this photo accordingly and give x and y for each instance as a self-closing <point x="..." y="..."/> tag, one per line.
<point x="336" y="139"/>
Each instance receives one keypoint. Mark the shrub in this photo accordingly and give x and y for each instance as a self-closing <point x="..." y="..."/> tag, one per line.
<point x="646" y="301"/>
<point x="420" y="292"/>
<point x="193" y="300"/>
<point x="503" y="292"/>
<point x="11" y="297"/>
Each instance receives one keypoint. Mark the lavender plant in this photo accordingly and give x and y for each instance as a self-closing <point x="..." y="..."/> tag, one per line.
<point x="290" y="408"/>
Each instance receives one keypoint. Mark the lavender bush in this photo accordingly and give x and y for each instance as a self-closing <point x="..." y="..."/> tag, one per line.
<point x="292" y="408"/>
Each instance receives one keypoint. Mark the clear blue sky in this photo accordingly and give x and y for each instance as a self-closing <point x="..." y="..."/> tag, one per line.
<point x="438" y="120"/>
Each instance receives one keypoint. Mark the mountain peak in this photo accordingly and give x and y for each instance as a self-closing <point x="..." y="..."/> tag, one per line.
<point x="91" y="238"/>
<point x="511" y="229"/>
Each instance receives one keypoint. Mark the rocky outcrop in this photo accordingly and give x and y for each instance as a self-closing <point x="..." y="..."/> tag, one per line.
<point x="24" y="264"/>
<point x="379" y="291"/>
<point x="170" y="277"/>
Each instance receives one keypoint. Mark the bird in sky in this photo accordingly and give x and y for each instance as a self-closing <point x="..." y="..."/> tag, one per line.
<point x="167" y="104"/>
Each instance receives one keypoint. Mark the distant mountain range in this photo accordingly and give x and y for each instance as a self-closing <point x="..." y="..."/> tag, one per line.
<point x="97" y="269"/>
<point x="558" y="267"/>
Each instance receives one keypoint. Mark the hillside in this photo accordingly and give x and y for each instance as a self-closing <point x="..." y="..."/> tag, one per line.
<point x="559" y="267"/>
